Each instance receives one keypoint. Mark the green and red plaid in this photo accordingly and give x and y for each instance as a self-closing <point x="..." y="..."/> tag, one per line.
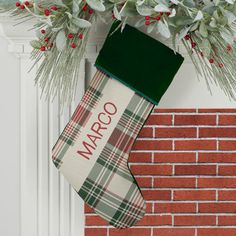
<point x="109" y="188"/>
<point x="79" y="118"/>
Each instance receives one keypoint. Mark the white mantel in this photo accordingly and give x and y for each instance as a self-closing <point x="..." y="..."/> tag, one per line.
<point x="43" y="204"/>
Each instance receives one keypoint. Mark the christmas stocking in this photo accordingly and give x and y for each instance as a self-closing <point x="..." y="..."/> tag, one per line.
<point x="134" y="72"/>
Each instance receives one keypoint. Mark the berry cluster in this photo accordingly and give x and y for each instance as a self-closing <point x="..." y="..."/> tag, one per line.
<point x="188" y="37"/>
<point x="23" y="5"/>
<point x="157" y="18"/>
<point x="211" y="60"/>
<point x="87" y="8"/>
<point x="72" y="36"/>
<point x="48" y="44"/>
<point x="47" y="11"/>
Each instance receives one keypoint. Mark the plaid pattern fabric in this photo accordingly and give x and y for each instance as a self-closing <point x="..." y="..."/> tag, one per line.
<point x="79" y="118"/>
<point x="109" y="187"/>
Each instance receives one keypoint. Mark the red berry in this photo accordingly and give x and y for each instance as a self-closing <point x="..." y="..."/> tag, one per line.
<point x="81" y="36"/>
<point x="147" y="17"/>
<point x="194" y="44"/>
<point x="91" y="11"/>
<point x="70" y="36"/>
<point x="43" y="48"/>
<point x="187" y="37"/>
<point x="147" y="22"/>
<point x="168" y="13"/>
<point x="43" y="31"/>
<point x="22" y="7"/>
<point x="18" y="4"/>
<point x="74" y="45"/>
<point x="211" y="60"/>
<point x="46" y="40"/>
<point x="47" y="12"/>
<point x="229" y="47"/>
<point x="27" y="3"/>
<point x="221" y="65"/>
<point x="54" y="8"/>
<point x="158" y="18"/>
<point x="85" y="8"/>
<point x="161" y="13"/>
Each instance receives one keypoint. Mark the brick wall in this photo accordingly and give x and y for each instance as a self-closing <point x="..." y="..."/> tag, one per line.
<point x="185" y="163"/>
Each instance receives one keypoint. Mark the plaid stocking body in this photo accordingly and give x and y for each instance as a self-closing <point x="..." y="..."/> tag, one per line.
<point x="92" y="152"/>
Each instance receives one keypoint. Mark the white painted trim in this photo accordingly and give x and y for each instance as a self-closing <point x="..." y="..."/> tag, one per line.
<point x="48" y="205"/>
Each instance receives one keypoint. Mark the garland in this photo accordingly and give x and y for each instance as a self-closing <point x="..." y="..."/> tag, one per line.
<point x="205" y="27"/>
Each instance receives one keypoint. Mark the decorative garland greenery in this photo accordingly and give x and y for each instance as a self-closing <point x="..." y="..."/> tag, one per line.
<point x="207" y="28"/>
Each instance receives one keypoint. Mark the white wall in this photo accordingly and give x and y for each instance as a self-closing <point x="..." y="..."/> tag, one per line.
<point x="9" y="142"/>
<point x="185" y="91"/>
<point x="189" y="91"/>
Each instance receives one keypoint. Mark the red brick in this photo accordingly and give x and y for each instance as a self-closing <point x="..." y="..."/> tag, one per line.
<point x="155" y="220"/>
<point x="227" y="170"/>
<point x="227" y="145"/>
<point x="190" y="195"/>
<point x="216" y="231"/>
<point x="194" y="220"/>
<point x="195" y="120"/>
<point x="225" y="207"/>
<point x="146" y="133"/>
<point x="175" y="132"/>
<point x="227" y="120"/>
<point x="217" y="132"/>
<point x="174" y="207"/>
<point x="151" y="169"/>
<point x="227" y="220"/>
<point x="88" y="209"/>
<point x="195" y="145"/>
<point x="156" y="194"/>
<point x="195" y="169"/>
<point x="140" y="157"/>
<point x="149" y="207"/>
<point x="187" y="217"/>
<point x="216" y="157"/>
<point x="130" y="232"/>
<point x="174" y="182"/>
<point x="175" y="157"/>
<point x="152" y="145"/>
<point x="144" y="182"/>
<point x="178" y="110"/>
<point x="95" y="231"/>
<point x="227" y="195"/>
<point x="217" y="182"/>
<point x="217" y="110"/>
<point x="95" y="220"/>
<point x="174" y="232"/>
<point x="159" y="120"/>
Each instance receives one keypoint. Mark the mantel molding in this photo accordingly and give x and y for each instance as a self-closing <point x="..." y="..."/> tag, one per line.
<point x="19" y="36"/>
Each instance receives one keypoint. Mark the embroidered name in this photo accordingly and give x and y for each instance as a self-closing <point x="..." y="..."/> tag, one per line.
<point x="97" y="129"/>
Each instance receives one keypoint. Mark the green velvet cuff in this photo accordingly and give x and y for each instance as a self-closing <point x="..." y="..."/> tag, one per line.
<point x="138" y="61"/>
